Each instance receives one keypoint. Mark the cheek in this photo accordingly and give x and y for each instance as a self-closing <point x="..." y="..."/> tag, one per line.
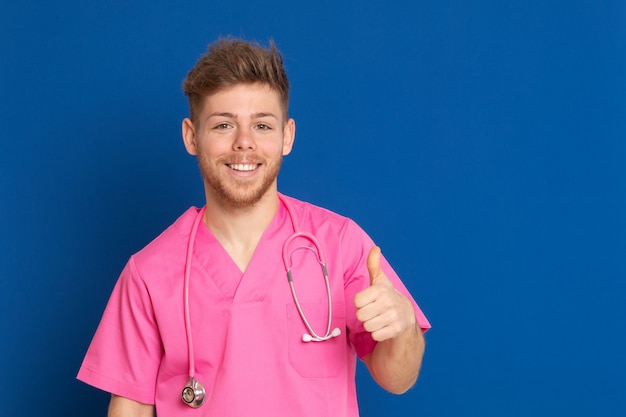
<point x="212" y="148"/>
<point x="270" y="148"/>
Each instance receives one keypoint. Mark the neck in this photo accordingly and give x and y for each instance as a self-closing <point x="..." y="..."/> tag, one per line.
<point x="239" y="230"/>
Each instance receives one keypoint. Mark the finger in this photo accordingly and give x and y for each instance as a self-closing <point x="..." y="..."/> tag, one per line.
<point x="373" y="265"/>
<point x="365" y="297"/>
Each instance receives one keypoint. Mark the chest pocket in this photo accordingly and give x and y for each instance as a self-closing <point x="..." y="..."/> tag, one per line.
<point x="325" y="359"/>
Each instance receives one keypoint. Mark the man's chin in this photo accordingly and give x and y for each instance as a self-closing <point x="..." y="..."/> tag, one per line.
<point x="241" y="198"/>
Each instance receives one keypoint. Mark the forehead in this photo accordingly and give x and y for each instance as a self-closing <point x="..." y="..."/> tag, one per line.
<point x="243" y="98"/>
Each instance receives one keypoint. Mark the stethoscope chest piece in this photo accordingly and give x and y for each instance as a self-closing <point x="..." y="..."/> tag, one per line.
<point x="194" y="393"/>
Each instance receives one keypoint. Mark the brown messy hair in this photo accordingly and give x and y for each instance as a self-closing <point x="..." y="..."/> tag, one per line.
<point x="231" y="61"/>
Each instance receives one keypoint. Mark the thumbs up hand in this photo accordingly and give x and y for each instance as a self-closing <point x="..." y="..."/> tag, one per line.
<point x="384" y="312"/>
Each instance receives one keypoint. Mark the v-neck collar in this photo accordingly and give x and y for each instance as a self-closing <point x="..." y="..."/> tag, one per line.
<point x="265" y="264"/>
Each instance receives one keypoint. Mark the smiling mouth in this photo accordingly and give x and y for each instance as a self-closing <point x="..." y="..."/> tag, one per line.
<point x="243" y="167"/>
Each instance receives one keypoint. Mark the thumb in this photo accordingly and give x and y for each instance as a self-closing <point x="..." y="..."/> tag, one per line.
<point x="373" y="265"/>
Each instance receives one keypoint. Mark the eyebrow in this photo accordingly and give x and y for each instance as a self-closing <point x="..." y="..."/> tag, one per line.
<point x="264" y="114"/>
<point x="234" y="116"/>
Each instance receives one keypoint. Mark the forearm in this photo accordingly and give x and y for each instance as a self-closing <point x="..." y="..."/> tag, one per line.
<point x="124" y="407"/>
<point x="395" y="363"/>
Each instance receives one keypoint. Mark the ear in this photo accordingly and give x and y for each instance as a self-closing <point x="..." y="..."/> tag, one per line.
<point x="189" y="137"/>
<point x="289" y="135"/>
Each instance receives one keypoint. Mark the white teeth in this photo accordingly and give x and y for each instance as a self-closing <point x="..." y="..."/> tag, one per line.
<point x="243" y="167"/>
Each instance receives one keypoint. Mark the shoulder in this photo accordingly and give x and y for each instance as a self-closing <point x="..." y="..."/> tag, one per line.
<point x="309" y="212"/>
<point x="323" y="221"/>
<point x="170" y="246"/>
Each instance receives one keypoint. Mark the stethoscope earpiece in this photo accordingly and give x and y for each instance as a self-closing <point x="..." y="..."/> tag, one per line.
<point x="308" y="338"/>
<point x="194" y="393"/>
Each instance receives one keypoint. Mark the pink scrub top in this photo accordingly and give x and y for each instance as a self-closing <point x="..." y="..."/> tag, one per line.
<point x="247" y="332"/>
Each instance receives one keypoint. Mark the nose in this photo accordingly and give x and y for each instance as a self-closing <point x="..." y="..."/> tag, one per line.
<point x="243" y="140"/>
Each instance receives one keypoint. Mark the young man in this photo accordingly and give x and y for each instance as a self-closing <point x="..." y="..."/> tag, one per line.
<point x="207" y="316"/>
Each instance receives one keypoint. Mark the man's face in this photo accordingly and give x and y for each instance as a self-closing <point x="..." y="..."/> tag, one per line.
<point x="240" y="138"/>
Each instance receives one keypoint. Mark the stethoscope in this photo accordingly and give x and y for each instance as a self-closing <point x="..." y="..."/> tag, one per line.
<point x="194" y="392"/>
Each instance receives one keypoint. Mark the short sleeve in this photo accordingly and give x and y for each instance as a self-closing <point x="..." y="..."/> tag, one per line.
<point x="355" y="247"/>
<point x="126" y="351"/>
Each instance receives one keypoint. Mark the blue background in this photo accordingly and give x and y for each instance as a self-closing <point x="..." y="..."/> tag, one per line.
<point x="481" y="144"/>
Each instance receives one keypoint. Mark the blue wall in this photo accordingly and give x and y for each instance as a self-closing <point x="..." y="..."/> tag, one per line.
<point x="482" y="145"/>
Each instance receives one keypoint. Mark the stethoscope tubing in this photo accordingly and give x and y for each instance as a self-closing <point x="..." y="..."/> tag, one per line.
<point x="287" y="261"/>
<point x="190" y="247"/>
<point x="320" y="259"/>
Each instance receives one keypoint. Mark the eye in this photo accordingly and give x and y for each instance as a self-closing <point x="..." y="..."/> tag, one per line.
<point x="263" y="126"/>
<point x="222" y="126"/>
